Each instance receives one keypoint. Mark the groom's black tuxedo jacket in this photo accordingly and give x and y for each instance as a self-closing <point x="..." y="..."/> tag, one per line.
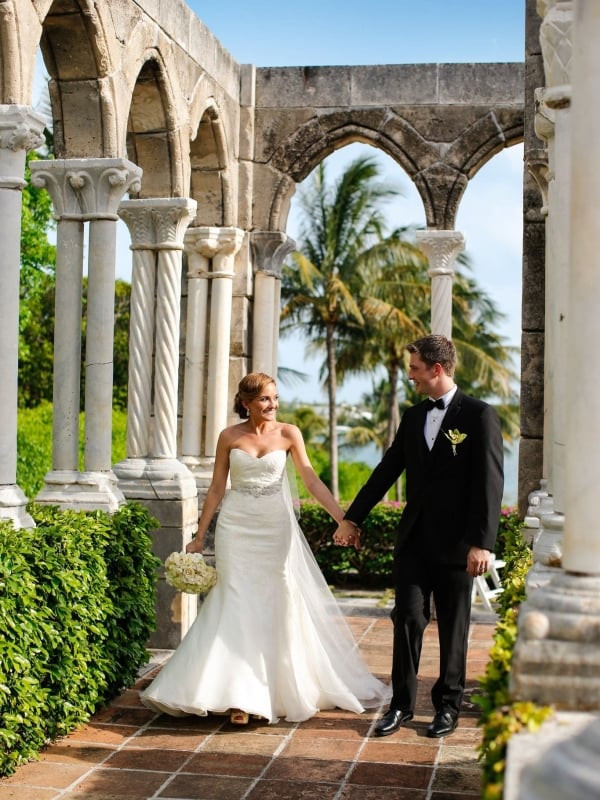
<point x="453" y="500"/>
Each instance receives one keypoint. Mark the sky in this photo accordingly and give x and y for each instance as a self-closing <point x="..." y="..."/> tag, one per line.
<point x="343" y="32"/>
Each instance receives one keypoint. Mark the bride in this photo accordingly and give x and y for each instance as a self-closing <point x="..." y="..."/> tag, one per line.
<point x="269" y="640"/>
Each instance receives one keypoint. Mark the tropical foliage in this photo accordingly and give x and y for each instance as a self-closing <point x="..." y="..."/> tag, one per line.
<point x="360" y="301"/>
<point x="36" y="309"/>
<point x="341" y="221"/>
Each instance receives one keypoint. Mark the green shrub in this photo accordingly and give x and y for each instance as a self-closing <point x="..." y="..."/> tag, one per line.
<point x="369" y="566"/>
<point x="500" y="717"/>
<point x="76" y="610"/>
<point x="34" y="444"/>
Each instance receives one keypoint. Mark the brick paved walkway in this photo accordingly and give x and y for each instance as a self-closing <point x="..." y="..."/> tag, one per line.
<point x="127" y="752"/>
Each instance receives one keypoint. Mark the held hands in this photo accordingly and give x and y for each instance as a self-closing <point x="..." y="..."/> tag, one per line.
<point x="347" y="535"/>
<point x="478" y="561"/>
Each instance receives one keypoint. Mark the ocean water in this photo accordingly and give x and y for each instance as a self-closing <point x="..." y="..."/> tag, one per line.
<point x="370" y="454"/>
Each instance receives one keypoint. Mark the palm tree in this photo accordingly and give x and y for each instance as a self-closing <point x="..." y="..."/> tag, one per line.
<point x="394" y="305"/>
<point x="319" y="291"/>
<point x="396" y="310"/>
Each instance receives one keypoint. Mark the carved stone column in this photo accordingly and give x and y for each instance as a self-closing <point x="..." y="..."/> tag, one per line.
<point x="441" y="248"/>
<point x="85" y="190"/>
<point x="557" y="656"/>
<point x="269" y="249"/>
<point x="217" y="246"/>
<point x="151" y="472"/>
<point x="200" y="247"/>
<point x="20" y="130"/>
<point x="553" y="124"/>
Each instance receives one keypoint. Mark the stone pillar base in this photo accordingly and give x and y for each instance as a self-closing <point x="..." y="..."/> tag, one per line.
<point x="168" y="490"/>
<point x="81" y="491"/>
<point x="557" y="656"/>
<point x="547" y="548"/>
<point x="202" y="470"/>
<point x="541" y="759"/>
<point x="13" y="506"/>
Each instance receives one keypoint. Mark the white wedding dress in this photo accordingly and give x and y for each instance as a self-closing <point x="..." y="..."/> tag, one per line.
<point x="269" y="638"/>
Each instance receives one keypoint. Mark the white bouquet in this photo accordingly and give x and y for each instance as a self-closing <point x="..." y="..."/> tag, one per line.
<point x="189" y="573"/>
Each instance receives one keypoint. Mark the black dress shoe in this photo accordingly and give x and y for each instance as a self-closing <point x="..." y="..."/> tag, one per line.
<point x="443" y="724"/>
<point x="391" y="721"/>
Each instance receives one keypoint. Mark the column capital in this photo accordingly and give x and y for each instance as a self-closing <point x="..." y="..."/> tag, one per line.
<point x="441" y="248"/>
<point x="208" y="241"/>
<point x="21" y="128"/>
<point x="269" y="249"/>
<point x="86" y="188"/>
<point x="157" y="223"/>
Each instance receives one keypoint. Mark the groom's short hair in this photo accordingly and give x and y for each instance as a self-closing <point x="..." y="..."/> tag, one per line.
<point x="435" y="349"/>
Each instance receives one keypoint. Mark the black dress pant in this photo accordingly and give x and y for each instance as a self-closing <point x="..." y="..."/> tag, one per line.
<point x="418" y="577"/>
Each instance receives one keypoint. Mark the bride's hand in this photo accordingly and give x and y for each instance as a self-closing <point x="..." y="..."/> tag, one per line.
<point x="195" y="546"/>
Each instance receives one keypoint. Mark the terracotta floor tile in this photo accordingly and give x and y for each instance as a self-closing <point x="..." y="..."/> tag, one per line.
<point x="292" y="790"/>
<point x="390" y="793"/>
<point x="248" y="765"/>
<point x="305" y="747"/>
<point x="115" y="715"/>
<point x="460" y="781"/>
<point x="307" y="769"/>
<point x="258" y="743"/>
<point x="47" y="774"/>
<point x="128" y="752"/>
<point x="149" y="760"/>
<point x="450" y="795"/>
<point x="207" y="724"/>
<point x="69" y="752"/>
<point x="391" y="752"/>
<point x="102" y="734"/>
<point x="119" y="784"/>
<point x="206" y="787"/>
<point x="458" y="756"/>
<point x="157" y="739"/>
<point x="337" y="728"/>
<point x="26" y="793"/>
<point x="369" y="774"/>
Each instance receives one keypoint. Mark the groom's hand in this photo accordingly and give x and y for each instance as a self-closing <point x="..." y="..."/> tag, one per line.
<point x="347" y="534"/>
<point x="478" y="561"/>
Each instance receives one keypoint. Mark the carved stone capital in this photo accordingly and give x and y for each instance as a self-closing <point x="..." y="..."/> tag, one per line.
<point x="209" y="241"/>
<point x="269" y="250"/>
<point x="157" y="223"/>
<point x="21" y="128"/>
<point x="86" y="188"/>
<point x="441" y="248"/>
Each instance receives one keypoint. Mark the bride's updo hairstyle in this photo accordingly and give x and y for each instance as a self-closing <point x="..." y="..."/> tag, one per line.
<point x="251" y="386"/>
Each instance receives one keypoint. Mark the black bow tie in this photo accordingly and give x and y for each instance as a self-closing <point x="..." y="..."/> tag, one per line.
<point x="431" y="404"/>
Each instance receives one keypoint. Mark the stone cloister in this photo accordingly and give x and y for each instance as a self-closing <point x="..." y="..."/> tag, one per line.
<point x="156" y="124"/>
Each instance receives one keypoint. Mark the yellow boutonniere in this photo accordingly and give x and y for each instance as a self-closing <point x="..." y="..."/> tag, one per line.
<point x="455" y="437"/>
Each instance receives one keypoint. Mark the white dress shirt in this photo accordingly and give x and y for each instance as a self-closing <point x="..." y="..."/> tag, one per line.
<point x="435" y="417"/>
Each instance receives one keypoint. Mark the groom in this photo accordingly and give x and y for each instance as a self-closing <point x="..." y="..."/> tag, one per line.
<point x="450" y="449"/>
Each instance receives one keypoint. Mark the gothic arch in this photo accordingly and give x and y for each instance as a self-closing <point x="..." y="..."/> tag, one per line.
<point x="440" y="169"/>
<point x="153" y="138"/>
<point x="77" y="57"/>
<point x="210" y="167"/>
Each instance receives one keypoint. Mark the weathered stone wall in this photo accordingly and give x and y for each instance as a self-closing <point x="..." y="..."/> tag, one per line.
<point x="440" y="122"/>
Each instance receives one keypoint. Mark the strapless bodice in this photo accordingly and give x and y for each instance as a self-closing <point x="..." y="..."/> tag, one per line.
<point x="256" y="475"/>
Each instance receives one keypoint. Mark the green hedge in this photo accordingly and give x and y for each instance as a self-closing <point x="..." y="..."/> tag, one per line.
<point x="501" y="718"/>
<point x="76" y="610"/>
<point x="372" y="564"/>
<point x="369" y="566"/>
